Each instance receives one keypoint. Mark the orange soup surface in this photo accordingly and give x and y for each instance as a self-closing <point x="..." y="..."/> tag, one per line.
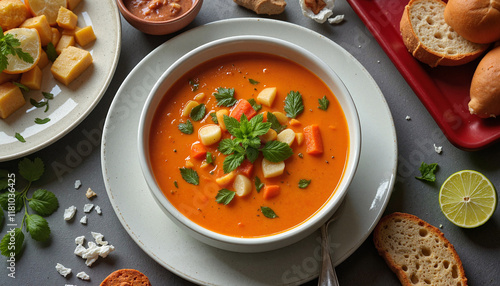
<point x="240" y="201"/>
<point x="158" y="10"/>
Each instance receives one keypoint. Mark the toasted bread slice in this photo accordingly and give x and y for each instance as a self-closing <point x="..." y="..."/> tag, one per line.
<point x="418" y="252"/>
<point x="429" y="39"/>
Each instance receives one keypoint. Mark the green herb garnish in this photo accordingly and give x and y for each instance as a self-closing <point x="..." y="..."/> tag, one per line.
<point x="258" y="184"/>
<point x="198" y="112"/>
<point x="252" y="81"/>
<point x="186" y="128"/>
<point x="246" y="142"/>
<point x="254" y="104"/>
<point x="20" y="137"/>
<point x="176" y="185"/>
<point x="323" y="103"/>
<point x="9" y="45"/>
<point x="275" y="124"/>
<point x="190" y="176"/>
<point x="213" y="115"/>
<point x="225" y="97"/>
<point x="428" y="172"/>
<point x="224" y="196"/>
<point x="209" y="158"/>
<point x="41" y="121"/>
<point x="51" y="52"/>
<point x="21" y="86"/>
<point x="303" y="183"/>
<point x="48" y="96"/>
<point x="43" y="202"/>
<point x="293" y="104"/>
<point x="194" y="85"/>
<point x="268" y="212"/>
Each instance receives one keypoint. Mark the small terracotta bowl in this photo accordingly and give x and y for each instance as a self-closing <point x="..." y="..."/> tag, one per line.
<point x="160" y="27"/>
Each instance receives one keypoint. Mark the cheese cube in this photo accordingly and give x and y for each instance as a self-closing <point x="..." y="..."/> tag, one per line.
<point x="44" y="60"/>
<point x="70" y="64"/>
<point x="12" y="14"/>
<point x="41" y="24"/>
<point x="11" y="99"/>
<point x="266" y="96"/>
<point x="5" y="77"/>
<point x="32" y="78"/>
<point x="72" y="4"/>
<point x="64" y="42"/>
<point x="66" y="19"/>
<point x="85" y="36"/>
<point x="56" y="35"/>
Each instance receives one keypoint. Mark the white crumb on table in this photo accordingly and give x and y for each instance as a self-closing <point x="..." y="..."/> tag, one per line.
<point x="69" y="213"/>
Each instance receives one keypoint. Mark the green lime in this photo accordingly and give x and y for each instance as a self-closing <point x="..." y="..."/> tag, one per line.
<point x="468" y="199"/>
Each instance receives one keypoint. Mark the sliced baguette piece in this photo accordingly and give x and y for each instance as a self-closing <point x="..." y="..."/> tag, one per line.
<point x="430" y="40"/>
<point x="418" y="252"/>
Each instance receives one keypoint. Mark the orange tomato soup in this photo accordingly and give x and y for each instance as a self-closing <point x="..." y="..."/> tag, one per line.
<point x="248" y="74"/>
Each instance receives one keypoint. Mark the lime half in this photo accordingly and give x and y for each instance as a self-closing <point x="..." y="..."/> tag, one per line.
<point x="468" y="199"/>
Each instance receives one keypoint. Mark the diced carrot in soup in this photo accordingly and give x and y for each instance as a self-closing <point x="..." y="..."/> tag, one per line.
<point x="243" y="107"/>
<point x="198" y="151"/>
<point x="271" y="191"/>
<point x="314" y="142"/>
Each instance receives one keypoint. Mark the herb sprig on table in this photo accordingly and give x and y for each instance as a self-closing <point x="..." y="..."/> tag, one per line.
<point x="246" y="142"/>
<point x="43" y="202"/>
<point x="9" y="45"/>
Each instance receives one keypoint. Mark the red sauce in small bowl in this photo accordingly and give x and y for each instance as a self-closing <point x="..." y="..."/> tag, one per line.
<point x="158" y="10"/>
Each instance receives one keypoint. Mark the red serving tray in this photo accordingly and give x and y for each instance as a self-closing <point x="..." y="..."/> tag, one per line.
<point x="444" y="91"/>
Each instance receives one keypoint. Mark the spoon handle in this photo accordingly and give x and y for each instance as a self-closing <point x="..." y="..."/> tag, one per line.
<point x="327" y="275"/>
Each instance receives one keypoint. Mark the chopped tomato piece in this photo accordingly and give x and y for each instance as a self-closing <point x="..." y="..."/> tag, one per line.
<point x="198" y="151"/>
<point x="246" y="168"/>
<point x="270" y="191"/>
<point x="243" y="107"/>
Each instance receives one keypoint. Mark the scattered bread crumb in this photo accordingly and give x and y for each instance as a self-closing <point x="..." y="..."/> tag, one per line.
<point x="336" y="20"/>
<point x="438" y="149"/>
<point x="78" y="184"/>
<point x="408" y="118"/>
<point x="320" y="17"/>
<point x="90" y="194"/>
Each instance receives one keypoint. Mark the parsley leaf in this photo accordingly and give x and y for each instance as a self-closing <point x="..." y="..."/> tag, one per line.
<point x="20" y="137"/>
<point x="276" y="151"/>
<point x="190" y="176"/>
<point x="254" y="104"/>
<point x="258" y="184"/>
<point x="268" y="212"/>
<point x="293" y="104"/>
<point x="213" y="115"/>
<point x="9" y="45"/>
<point x="31" y="170"/>
<point x="224" y="196"/>
<point x="43" y="202"/>
<point x="323" y="103"/>
<point x="41" y="121"/>
<point x="198" y="112"/>
<point x="225" y="97"/>
<point x="275" y="124"/>
<point x="186" y="128"/>
<point x="232" y="162"/>
<point x="18" y="237"/>
<point x="303" y="183"/>
<point x="428" y="172"/>
<point x="38" y="227"/>
<point x="252" y="81"/>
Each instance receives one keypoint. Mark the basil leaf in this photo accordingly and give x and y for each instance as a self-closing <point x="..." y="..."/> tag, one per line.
<point x="17" y="236"/>
<point x="428" y="172"/>
<point x="224" y="196"/>
<point x="186" y="128"/>
<point x="225" y="97"/>
<point x="198" y="112"/>
<point x="323" y="103"/>
<point x="258" y="184"/>
<point x="303" y="183"/>
<point x="190" y="176"/>
<point x="293" y="104"/>
<point x="43" y="202"/>
<point x="268" y="212"/>
<point x="276" y="151"/>
<point x="31" y="170"/>
<point x="38" y="227"/>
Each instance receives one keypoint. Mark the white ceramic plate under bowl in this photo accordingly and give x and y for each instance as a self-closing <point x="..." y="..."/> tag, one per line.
<point x="185" y="256"/>
<point x="71" y="104"/>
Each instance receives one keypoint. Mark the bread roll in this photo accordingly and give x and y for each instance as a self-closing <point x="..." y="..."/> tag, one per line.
<point x="430" y="40"/>
<point x="476" y="20"/>
<point x="485" y="86"/>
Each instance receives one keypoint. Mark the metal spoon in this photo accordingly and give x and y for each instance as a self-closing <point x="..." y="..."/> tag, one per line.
<point x="327" y="275"/>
